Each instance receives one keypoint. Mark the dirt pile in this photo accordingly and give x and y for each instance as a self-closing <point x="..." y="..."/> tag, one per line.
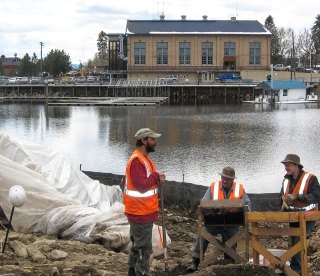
<point x="35" y="254"/>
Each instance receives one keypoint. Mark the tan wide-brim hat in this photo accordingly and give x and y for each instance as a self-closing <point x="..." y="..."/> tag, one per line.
<point x="292" y="158"/>
<point x="228" y="172"/>
<point x="146" y="132"/>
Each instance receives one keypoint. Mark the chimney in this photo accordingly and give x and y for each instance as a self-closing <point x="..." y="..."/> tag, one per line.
<point x="233" y="18"/>
<point x="183" y="17"/>
<point x="204" y="17"/>
<point x="162" y="16"/>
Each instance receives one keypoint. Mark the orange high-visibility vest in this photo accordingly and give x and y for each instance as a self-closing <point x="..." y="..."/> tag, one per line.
<point x="218" y="193"/>
<point x="301" y="188"/>
<point x="137" y="203"/>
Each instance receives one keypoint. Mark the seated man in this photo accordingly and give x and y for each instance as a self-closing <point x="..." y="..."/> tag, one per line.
<point x="226" y="188"/>
<point x="300" y="192"/>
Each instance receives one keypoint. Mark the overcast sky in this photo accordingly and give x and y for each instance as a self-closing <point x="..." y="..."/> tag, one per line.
<point x="73" y="25"/>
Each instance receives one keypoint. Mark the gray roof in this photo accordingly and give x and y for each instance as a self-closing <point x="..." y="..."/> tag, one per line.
<point x="142" y="27"/>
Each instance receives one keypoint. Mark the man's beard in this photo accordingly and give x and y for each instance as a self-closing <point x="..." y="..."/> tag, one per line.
<point x="150" y="148"/>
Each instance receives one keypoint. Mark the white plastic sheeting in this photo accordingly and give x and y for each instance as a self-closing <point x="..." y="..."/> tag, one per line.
<point x="62" y="200"/>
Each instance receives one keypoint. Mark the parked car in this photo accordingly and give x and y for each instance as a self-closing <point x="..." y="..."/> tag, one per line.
<point x="300" y="69"/>
<point x="281" y="67"/>
<point x="91" y="79"/>
<point x="81" y="80"/>
<point x="24" y="80"/>
<point x="49" y="80"/>
<point x="3" y="80"/>
<point x="169" y="79"/>
<point x="229" y="77"/>
<point x="36" y="80"/>
<point x="14" y="80"/>
<point x="310" y="70"/>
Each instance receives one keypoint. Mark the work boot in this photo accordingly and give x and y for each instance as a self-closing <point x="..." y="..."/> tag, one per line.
<point x="194" y="266"/>
<point x="131" y="271"/>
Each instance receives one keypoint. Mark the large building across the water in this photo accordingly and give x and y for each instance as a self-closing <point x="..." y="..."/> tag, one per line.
<point x="199" y="49"/>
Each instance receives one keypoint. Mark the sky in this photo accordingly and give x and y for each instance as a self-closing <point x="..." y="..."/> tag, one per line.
<point x="74" y="25"/>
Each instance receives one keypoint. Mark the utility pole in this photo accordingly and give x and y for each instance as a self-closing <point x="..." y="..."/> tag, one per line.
<point x="41" y="61"/>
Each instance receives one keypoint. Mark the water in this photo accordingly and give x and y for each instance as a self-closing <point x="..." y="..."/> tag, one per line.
<point x="197" y="141"/>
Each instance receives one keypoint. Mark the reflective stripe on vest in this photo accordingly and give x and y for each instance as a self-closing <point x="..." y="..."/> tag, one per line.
<point x="215" y="194"/>
<point x="216" y="191"/>
<point x="285" y="185"/>
<point x="236" y="190"/>
<point x="303" y="183"/>
<point x="138" y="194"/>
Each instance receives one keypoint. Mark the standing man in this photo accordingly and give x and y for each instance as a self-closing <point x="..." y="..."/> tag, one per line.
<point x="140" y="198"/>
<point x="300" y="192"/>
<point x="226" y="188"/>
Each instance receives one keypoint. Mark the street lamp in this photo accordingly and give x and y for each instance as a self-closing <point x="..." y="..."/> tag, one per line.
<point x="311" y="67"/>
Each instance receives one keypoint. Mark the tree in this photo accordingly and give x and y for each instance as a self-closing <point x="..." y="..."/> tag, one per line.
<point x="306" y="46"/>
<point x="315" y="31"/>
<point x="1" y="66"/>
<point x="276" y="56"/>
<point x="25" y="66"/>
<point x="35" y="65"/>
<point x="102" y="45"/>
<point x="57" y="62"/>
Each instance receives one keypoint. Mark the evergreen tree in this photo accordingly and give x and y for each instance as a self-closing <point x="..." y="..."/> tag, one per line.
<point x="25" y="66"/>
<point x="276" y="56"/>
<point x="102" y="45"/>
<point x="35" y="65"/>
<point x="57" y="62"/>
<point x="315" y="32"/>
<point x="1" y="66"/>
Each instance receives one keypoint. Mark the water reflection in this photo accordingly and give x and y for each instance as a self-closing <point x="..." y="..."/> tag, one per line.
<point x="197" y="141"/>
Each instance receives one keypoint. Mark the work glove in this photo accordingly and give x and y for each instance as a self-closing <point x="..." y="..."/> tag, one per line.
<point x="291" y="198"/>
<point x="284" y="206"/>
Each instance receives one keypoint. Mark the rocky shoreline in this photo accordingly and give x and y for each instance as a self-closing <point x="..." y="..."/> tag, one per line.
<point x="37" y="254"/>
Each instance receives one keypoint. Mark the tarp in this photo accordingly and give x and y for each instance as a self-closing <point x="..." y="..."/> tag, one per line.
<point x="61" y="200"/>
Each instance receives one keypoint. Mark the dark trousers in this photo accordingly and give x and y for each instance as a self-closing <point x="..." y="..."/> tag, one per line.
<point x="139" y="256"/>
<point x="226" y="234"/>
<point x="295" y="262"/>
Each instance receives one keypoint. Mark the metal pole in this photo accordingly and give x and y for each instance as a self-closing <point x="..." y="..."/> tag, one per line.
<point x="8" y="229"/>
<point x="164" y="238"/>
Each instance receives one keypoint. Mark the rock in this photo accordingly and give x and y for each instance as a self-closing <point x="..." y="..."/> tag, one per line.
<point x="19" y="248"/>
<point x="35" y="253"/>
<point x="58" y="255"/>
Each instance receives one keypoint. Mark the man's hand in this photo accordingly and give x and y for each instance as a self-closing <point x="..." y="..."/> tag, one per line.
<point x="291" y="198"/>
<point x="284" y="206"/>
<point x="162" y="177"/>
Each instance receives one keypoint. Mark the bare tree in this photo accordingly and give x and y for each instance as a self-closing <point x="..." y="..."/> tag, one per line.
<point x="306" y="46"/>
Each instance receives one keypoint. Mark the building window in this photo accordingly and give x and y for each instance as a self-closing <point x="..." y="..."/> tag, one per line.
<point x="184" y="52"/>
<point x="139" y="53"/>
<point x="255" y="53"/>
<point x="162" y="52"/>
<point x="229" y="48"/>
<point x="285" y="92"/>
<point x="207" y="52"/>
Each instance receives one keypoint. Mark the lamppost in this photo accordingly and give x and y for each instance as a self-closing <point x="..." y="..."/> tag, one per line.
<point x="41" y="61"/>
<point x="311" y="67"/>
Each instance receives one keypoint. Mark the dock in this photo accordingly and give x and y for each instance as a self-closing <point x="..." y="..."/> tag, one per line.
<point x="117" y="101"/>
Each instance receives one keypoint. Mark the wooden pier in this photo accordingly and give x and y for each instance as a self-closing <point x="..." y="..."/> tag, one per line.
<point x="128" y="92"/>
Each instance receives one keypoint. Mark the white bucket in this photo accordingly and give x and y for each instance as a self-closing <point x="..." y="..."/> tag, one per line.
<point x="275" y="252"/>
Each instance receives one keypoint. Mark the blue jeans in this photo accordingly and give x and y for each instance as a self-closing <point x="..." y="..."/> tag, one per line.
<point x="226" y="234"/>
<point x="295" y="262"/>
